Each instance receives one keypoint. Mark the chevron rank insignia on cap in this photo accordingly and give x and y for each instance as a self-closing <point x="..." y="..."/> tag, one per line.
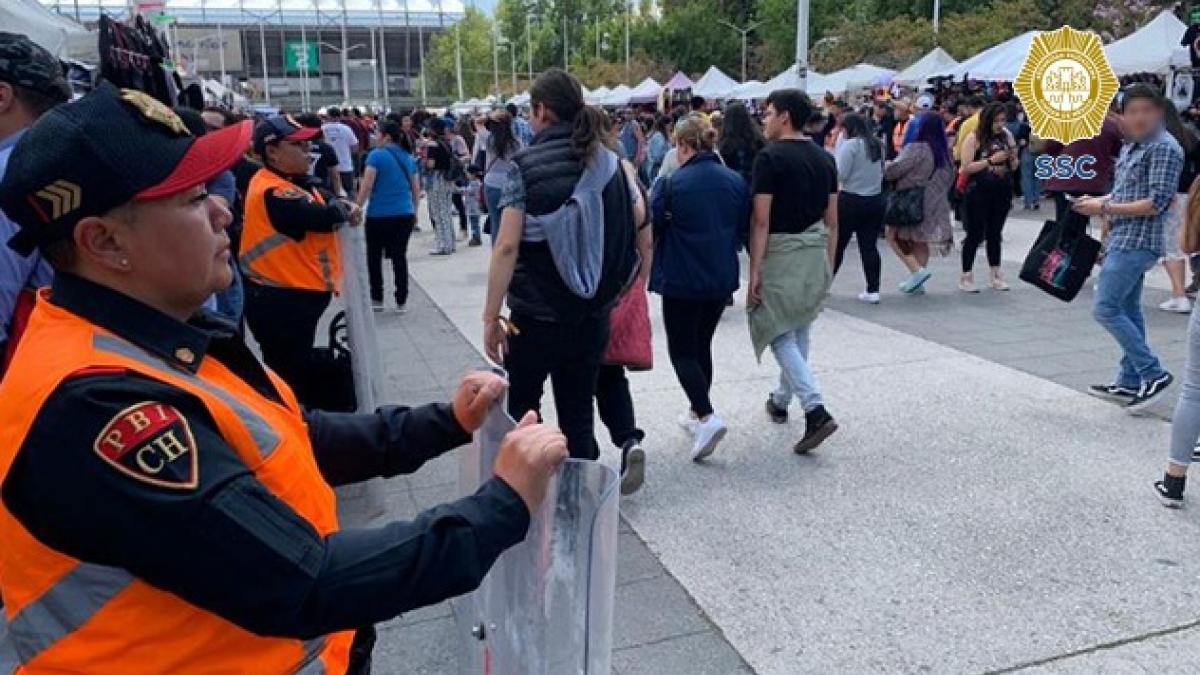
<point x="154" y="110"/>
<point x="61" y="196"/>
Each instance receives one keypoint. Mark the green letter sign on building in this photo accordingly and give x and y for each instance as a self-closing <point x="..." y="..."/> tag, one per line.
<point x="302" y="56"/>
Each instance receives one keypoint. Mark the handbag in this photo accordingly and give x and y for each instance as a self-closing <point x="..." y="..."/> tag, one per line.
<point x="330" y="381"/>
<point x="1061" y="260"/>
<point x="906" y="208"/>
<point x="629" y="343"/>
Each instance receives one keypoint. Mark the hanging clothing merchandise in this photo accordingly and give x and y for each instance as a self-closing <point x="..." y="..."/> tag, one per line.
<point x="134" y="56"/>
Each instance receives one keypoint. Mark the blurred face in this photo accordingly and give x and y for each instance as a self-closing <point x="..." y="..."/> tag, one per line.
<point x="902" y="112"/>
<point x="773" y="125"/>
<point x="1141" y="118"/>
<point x="172" y="253"/>
<point x="999" y="122"/>
<point x="406" y="123"/>
<point x="288" y="157"/>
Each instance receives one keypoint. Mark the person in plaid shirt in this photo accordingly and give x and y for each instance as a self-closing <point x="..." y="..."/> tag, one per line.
<point x="1146" y="178"/>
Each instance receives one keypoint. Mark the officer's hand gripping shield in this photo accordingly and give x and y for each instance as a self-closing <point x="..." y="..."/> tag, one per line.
<point x="546" y="607"/>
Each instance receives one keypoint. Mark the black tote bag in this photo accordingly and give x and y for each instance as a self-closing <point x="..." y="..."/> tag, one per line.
<point x="1061" y="260"/>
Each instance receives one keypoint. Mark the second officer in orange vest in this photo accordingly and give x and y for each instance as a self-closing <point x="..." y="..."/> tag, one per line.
<point x="166" y="506"/>
<point x="289" y="250"/>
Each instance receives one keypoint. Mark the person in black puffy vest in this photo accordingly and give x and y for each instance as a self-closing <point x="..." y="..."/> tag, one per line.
<point x="553" y="329"/>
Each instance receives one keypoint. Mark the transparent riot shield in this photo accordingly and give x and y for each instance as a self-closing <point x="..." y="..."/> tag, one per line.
<point x="360" y="319"/>
<point x="546" y="607"/>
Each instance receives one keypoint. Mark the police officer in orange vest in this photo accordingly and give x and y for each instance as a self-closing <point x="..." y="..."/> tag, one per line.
<point x="289" y="250"/>
<point x="166" y="506"/>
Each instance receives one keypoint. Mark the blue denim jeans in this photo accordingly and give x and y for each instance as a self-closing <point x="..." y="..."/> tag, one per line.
<point x="491" y="197"/>
<point x="1031" y="187"/>
<point x="1118" y="309"/>
<point x="795" y="376"/>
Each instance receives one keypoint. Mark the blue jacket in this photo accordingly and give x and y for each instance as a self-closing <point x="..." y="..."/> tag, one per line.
<point x="695" y="254"/>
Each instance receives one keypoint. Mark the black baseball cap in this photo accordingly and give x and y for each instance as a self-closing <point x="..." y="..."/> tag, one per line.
<point x="26" y="64"/>
<point x="281" y="128"/>
<point x="110" y="147"/>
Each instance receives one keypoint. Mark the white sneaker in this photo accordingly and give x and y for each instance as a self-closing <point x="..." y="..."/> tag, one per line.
<point x="688" y="422"/>
<point x="708" y="434"/>
<point x="1177" y="305"/>
<point x="869" y="298"/>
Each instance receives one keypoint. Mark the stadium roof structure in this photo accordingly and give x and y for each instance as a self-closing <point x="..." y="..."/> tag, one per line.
<point x="279" y="12"/>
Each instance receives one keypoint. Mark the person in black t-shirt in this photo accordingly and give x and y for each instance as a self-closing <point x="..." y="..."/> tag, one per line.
<point x="322" y="158"/>
<point x="792" y="243"/>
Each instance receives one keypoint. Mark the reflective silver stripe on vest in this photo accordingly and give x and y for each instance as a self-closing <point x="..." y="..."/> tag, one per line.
<point x="63" y="609"/>
<point x="270" y="243"/>
<point x="9" y="661"/>
<point x="264" y="436"/>
<point x="326" y="269"/>
<point x="312" y="664"/>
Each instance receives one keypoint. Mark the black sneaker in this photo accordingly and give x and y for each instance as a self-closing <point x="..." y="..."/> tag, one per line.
<point x="1113" y="392"/>
<point x="633" y="466"/>
<point x="1149" y="393"/>
<point x="818" y="426"/>
<point x="475" y="241"/>
<point x="1170" y="490"/>
<point x="778" y="415"/>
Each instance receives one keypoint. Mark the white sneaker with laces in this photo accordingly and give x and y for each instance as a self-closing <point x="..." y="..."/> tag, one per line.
<point x="709" y="433"/>
<point x="1177" y="305"/>
<point x="869" y="298"/>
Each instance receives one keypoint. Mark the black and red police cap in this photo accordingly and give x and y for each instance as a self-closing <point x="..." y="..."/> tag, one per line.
<point x="110" y="147"/>
<point x="280" y="128"/>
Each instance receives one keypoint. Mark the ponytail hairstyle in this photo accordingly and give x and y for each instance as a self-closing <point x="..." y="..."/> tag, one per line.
<point x="560" y="94"/>
<point x="857" y="126"/>
<point x="395" y="134"/>
<point x="695" y="132"/>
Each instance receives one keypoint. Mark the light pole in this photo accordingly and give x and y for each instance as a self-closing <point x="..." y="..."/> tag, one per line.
<point x="802" y="43"/>
<point x="512" y="59"/>
<point x="496" y="59"/>
<point x="342" y="52"/>
<point x="566" y="43"/>
<point x="458" y="61"/>
<point x="745" y="32"/>
<point x="383" y="56"/>
<point x="937" y="12"/>
<point x="628" y="13"/>
<point x="529" y="49"/>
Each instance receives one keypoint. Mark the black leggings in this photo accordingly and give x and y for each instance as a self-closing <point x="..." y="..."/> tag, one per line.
<point x="690" y="326"/>
<point x="862" y="218"/>
<point x="284" y="322"/>
<point x="985" y="207"/>
<point x="389" y="235"/>
<point x="615" y="404"/>
<point x="457" y="200"/>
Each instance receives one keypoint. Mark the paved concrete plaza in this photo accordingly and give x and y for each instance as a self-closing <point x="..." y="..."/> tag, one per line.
<point x="976" y="512"/>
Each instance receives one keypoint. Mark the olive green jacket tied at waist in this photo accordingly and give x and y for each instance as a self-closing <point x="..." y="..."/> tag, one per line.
<point x="795" y="279"/>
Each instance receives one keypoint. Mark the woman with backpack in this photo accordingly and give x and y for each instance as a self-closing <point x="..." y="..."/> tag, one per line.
<point x="392" y="184"/>
<point x="560" y="267"/>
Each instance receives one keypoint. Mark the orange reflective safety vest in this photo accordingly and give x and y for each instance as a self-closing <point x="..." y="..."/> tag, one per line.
<point x="66" y="615"/>
<point x="271" y="258"/>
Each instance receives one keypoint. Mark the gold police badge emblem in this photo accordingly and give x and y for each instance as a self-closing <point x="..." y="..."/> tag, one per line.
<point x="154" y="110"/>
<point x="1066" y="84"/>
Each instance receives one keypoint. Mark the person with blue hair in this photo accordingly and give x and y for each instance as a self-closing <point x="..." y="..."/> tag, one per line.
<point x="924" y="161"/>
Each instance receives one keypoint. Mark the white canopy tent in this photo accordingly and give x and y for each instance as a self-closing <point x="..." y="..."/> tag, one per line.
<point x="788" y="79"/>
<point x="1153" y="48"/>
<point x="596" y="96"/>
<point x="747" y="91"/>
<point x="647" y="91"/>
<point x="999" y="63"/>
<point x="618" y="97"/>
<point x="933" y="63"/>
<point x="860" y="76"/>
<point x="59" y="35"/>
<point x="521" y="99"/>
<point x="714" y="84"/>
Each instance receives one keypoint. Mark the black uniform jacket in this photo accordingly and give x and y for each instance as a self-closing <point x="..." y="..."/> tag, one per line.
<point x="229" y="545"/>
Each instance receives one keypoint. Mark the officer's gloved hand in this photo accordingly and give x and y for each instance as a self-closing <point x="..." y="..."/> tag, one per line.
<point x="528" y="458"/>
<point x="475" y="395"/>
